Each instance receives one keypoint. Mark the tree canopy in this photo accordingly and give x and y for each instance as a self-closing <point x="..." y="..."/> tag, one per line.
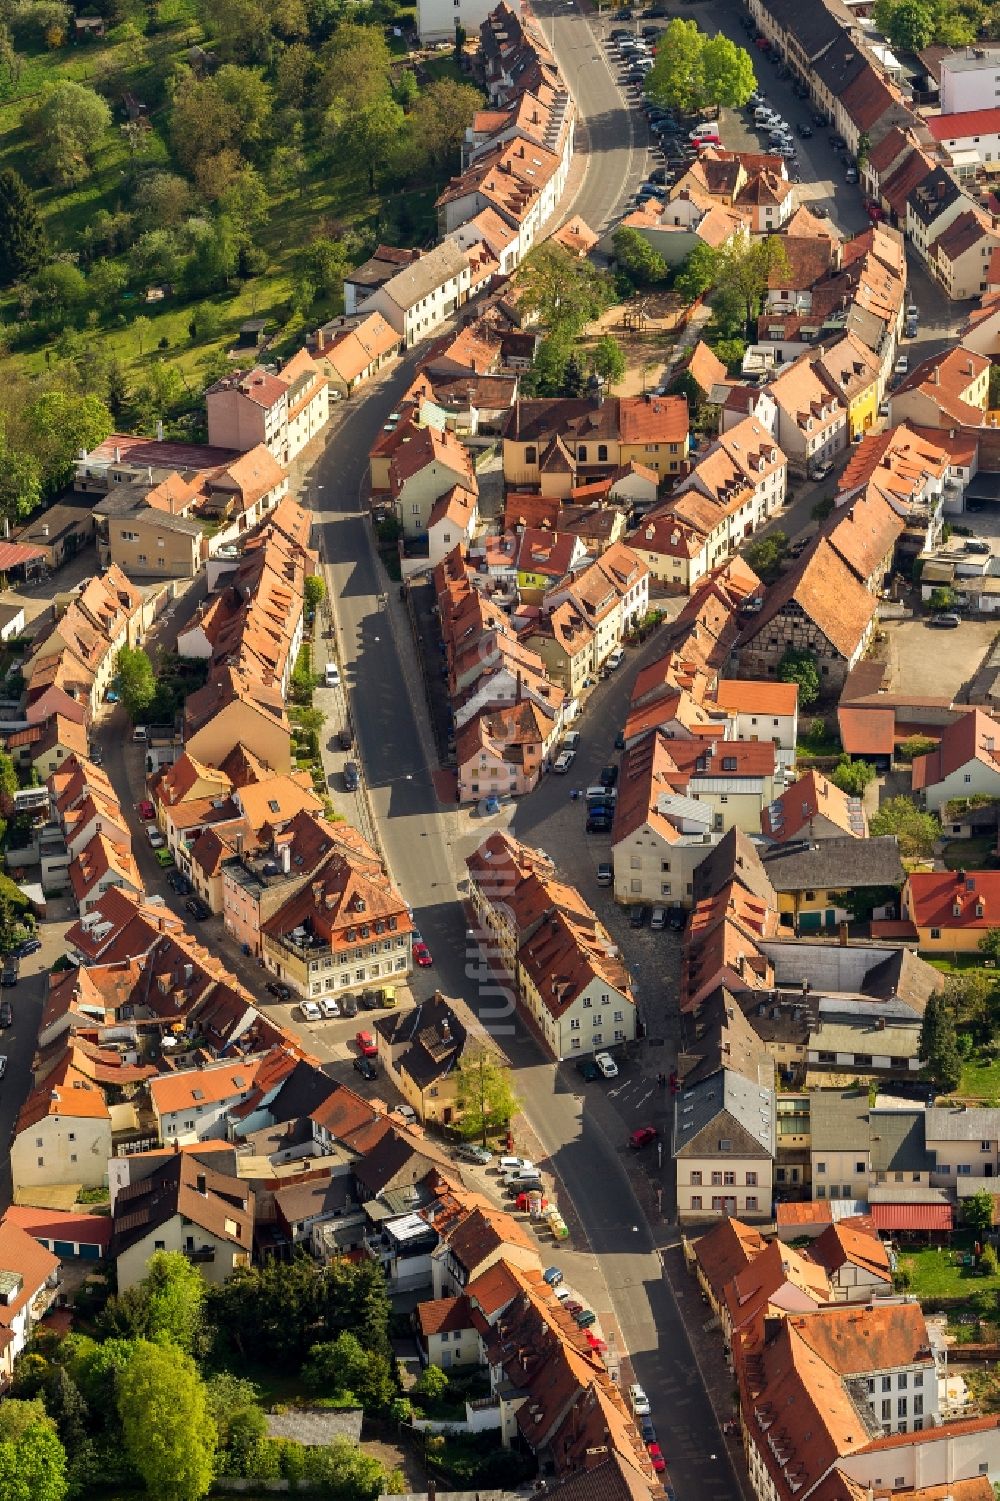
<point x="66" y="125"/>
<point x="801" y="667"/>
<point x="916" y="830"/>
<point x="634" y="254"/>
<point x="32" y="1459"/>
<point x="23" y="245"/>
<point x="694" y="71"/>
<point x="939" y="1043"/>
<point x="486" y="1096"/>
<point x="168" y="1431"/>
<point x="565" y="292"/>
<point x="136" y="681"/>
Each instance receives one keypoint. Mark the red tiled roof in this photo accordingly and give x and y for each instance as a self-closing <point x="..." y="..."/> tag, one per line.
<point x="867" y="732"/>
<point x="912" y="1217"/>
<point x="970" y="122"/>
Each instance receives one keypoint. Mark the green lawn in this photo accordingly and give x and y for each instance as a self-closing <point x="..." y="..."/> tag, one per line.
<point x="953" y="964"/>
<point x="980" y="1079"/>
<point x="939" y="1275"/>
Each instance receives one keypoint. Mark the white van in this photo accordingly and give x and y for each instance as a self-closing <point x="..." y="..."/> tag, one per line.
<point x="572" y="741"/>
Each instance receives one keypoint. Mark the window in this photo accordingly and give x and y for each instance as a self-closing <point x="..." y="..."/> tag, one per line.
<point x="887" y="1412"/>
<point x="751" y="1201"/>
<point x="729" y="1180"/>
<point x="751" y="1180"/>
<point x="901" y="1407"/>
<point x="531" y="454"/>
<point x="696" y="1201"/>
<point x="696" y="1179"/>
<point x="821" y="1167"/>
<point x="859" y="1167"/>
<point x="918" y="1378"/>
<point x="935" y="932"/>
<point x="901" y="1381"/>
<point x="159" y="1245"/>
<point x="602" y="453"/>
<point x="964" y="1169"/>
<point x="918" y="1407"/>
<point x="716" y="1180"/>
<point x="887" y="1383"/>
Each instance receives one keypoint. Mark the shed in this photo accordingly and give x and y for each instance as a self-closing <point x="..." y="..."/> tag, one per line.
<point x="67" y="1235"/>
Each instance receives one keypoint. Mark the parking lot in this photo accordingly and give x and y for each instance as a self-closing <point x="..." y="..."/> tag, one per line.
<point x="936" y="662"/>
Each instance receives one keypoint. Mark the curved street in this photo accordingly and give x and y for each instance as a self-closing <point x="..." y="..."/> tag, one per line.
<point x="425" y="844"/>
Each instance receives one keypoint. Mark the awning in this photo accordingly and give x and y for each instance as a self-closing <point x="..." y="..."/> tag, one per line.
<point x="912" y="1216"/>
<point x="12" y="554"/>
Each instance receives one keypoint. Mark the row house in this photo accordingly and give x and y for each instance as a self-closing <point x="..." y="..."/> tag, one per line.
<point x="428" y="465"/>
<point x="958" y="257"/>
<point x="502" y="752"/>
<point x="659" y="836"/>
<point x="103" y="615"/>
<point x="611" y="595"/>
<point x="745" y="472"/>
<point x="424" y="293"/>
<point x="971" y="138"/>
<point x="349" y="351"/>
<point x="812" y="422"/>
<point x="180" y="1203"/>
<point x="934" y="203"/>
<point x="31" y="1283"/>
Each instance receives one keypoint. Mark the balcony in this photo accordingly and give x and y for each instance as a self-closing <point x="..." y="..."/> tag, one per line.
<point x="205" y="1254"/>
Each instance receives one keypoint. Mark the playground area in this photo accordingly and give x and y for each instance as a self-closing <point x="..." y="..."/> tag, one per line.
<point x="647" y="328"/>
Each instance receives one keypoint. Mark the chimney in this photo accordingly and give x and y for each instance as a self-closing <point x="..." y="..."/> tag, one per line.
<point x="843" y="935"/>
<point x="446" y="1031"/>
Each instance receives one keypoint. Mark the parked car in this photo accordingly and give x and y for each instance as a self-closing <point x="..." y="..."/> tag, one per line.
<point x="658" y="919"/>
<point x="656" y="1458"/>
<point x="902" y="365"/>
<point x="178" y="881"/>
<point x="513" y="1164"/>
<point x="552" y="1275"/>
<point x="564" y="761"/>
<point x="156" y="839"/>
<point x="146" y="810"/>
<point x="641" y="1137"/>
<point x="345" y="737"/>
<point x="805" y="131"/>
<point x="607" y="1065"/>
<point x="637" y="916"/>
<point x="3" y="1065"/>
<point x="32" y="945"/>
<point x="422" y="955"/>
<point x="588" y="1068"/>
<point x="616" y="658"/>
<point x="6" y="1015"/>
<point x="646" y="1428"/>
<point x="586" y="1318"/>
<point x="599" y="823"/>
<point x="609" y="776"/>
<point x="332" y="675"/>
<point x="278" y="990"/>
<point x="638" y="1401"/>
<point x="348" y="1005"/>
<point x="677" y="918"/>
<point x="526" y="1178"/>
<point x="472" y="1152"/>
<point x="946" y="622"/>
<point x="369" y="1000"/>
<point x="851" y="175"/>
<point x="163" y="858"/>
<point x="605" y="874"/>
<point x="311" y="1012"/>
<point x="366" y="1068"/>
<point x="366" y="1044"/>
<point x="977" y="544"/>
<point x="198" y="909"/>
<point x="351" y="778"/>
<point x="329" y="1008"/>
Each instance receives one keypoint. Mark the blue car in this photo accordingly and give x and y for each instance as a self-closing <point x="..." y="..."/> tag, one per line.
<point x="552" y="1275"/>
<point x="492" y="805"/>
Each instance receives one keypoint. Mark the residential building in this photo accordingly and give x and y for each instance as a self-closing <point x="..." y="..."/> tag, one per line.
<point x="553" y="444"/>
<point x="447" y="1334"/>
<point x="180" y="1203"/>
<point x="347" y="928"/>
<point x="856" y="1262"/>
<point x="852" y="371"/>
<point x="721" y="1253"/>
<point x="812" y="420"/>
<point x="965" y="763"/>
<point x="809" y="877"/>
<point x="430" y="465"/>
<point x="933" y="203"/>
<point x="813" y="808"/>
<point x="723" y="1147"/>
<point x="104" y="614"/>
<point x="422" y="1050"/>
<point x="147" y="541"/>
<point x="283" y="410"/>
<point x="762" y="711"/>
<point x="951" y="910"/>
<point x="818" y="606"/>
<point x="233" y="709"/>
<point x="660" y="835"/>
<point x="970" y="80"/>
<point x="101" y="864"/>
<point x="840" y="1143"/>
<point x="418" y="298"/>
<point x="29" y="1279"/>
<point x="947" y="390"/>
<point x="574" y="985"/>
<point x="349" y="351"/>
<point x="62" y="1133"/>
<point x="964" y="1144"/>
<point x="192" y="1104"/>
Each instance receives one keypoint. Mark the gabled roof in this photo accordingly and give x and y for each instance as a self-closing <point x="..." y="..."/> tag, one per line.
<point x="724" y="1099"/>
<point x="210" y="1200"/>
<point x="827" y="591"/>
<point x="974" y="737"/>
<point x="812" y="796"/>
<point x="727" y="1249"/>
<point x="842" y="1245"/>
<point x="954" y="899"/>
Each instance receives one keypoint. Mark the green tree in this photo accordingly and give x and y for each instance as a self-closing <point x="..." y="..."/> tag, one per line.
<point x="565" y="292"/>
<point x="801" y="667"/>
<point x="431" y="1384"/>
<point x="852" y="777"/>
<point x="32" y="1460"/>
<point x="939" y="1044"/>
<point x="314" y="591"/>
<point x="173" y="1291"/>
<point x="167" y="1429"/>
<point x="248" y="99"/>
<point x="545" y="378"/>
<point x="911" y="26"/>
<point x="23" y="246"/>
<point x="727" y="72"/>
<point x="730" y="352"/>
<point x="698" y="273"/>
<point x="8" y="776"/>
<point x="136" y="681"/>
<point x="289" y="1307"/>
<point x="914" y="746"/>
<point x="977" y="1212"/>
<point x="486" y="1098"/>
<point x="372" y="133"/>
<point x="438" y="119"/>
<point x="916" y="831"/>
<point x="677" y="78"/>
<point x="635" y="255"/>
<point x="861" y="902"/>
<point x="746" y="268"/>
<point x="65" y="1405"/>
<point x="765" y="555"/>
<point x="66" y="125"/>
<point x="60" y="289"/>
<point x="609" y="359"/>
<point x="60" y="423"/>
<point x="344" y="1369"/>
<point x="941" y="599"/>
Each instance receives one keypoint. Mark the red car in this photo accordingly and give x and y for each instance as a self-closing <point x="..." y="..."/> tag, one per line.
<point x="422" y="955"/>
<point x="366" y="1045"/>
<point x="596" y="1344"/>
<point x="572" y="1306"/>
<point x="146" y="810"/>
<point x="656" y="1458"/>
<point x="642" y="1137"/>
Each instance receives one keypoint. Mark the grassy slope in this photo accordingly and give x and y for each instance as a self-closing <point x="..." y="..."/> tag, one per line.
<point x="337" y="191"/>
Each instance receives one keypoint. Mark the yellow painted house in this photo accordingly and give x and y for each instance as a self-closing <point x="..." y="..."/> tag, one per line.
<point x="810" y="882"/>
<point x="853" y="371"/>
